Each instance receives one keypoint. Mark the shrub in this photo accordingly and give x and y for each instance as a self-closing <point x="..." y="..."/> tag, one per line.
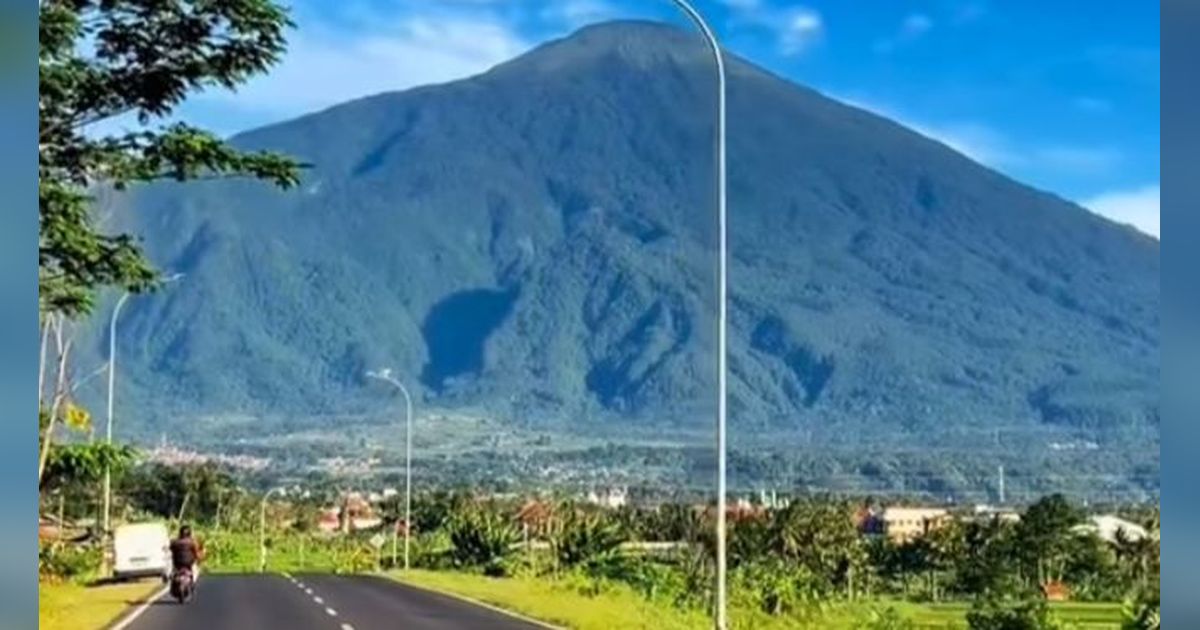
<point x="775" y="587"/>
<point x="481" y="538"/>
<point x="1142" y="613"/>
<point x="68" y="562"/>
<point x="1032" y="614"/>
<point x="585" y="539"/>
<point x="888" y="619"/>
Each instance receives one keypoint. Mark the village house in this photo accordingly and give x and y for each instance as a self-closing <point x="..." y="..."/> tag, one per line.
<point x="611" y="498"/>
<point x="1111" y="528"/>
<point x="903" y="524"/>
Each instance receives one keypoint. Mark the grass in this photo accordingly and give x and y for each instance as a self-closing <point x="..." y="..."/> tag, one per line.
<point x="1083" y="615"/>
<point x="565" y="604"/>
<point x="559" y="603"/>
<point x="71" y="606"/>
<point x="230" y="552"/>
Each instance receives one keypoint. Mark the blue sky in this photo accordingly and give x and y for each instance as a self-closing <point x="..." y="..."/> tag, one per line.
<point x="1060" y="94"/>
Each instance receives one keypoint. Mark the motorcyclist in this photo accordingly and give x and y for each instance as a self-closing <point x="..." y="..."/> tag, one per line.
<point x="187" y="552"/>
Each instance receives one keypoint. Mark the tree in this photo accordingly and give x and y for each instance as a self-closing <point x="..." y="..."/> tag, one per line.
<point x="582" y="538"/>
<point x="820" y="535"/>
<point x="1044" y="536"/>
<point x="190" y="492"/>
<point x="82" y="464"/>
<point x="103" y="59"/>
<point x="988" y="565"/>
<point x="481" y="537"/>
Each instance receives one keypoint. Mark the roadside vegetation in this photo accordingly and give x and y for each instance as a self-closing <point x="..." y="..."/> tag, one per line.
<point x="805" y="564"/>
<point x="73" y="606"/>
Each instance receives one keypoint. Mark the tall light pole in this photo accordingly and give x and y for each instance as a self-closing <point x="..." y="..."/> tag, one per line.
<point x="112" y="380"/>
<point x="108" y="429"/>
<point x="721" y="619"/>
<point x="386" y="376"/>
<point x="262" y="530"/>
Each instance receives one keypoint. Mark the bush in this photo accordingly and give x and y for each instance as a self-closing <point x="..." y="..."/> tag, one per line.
<point x="775" y="587"/>
<point x="1031" y="614"/>
<point x="1142" y="613"/>
<point x="888" y="619"/>
<point x="58" y="561"/>
<point x="481" y="538"/>
<point x="585" y="539"/>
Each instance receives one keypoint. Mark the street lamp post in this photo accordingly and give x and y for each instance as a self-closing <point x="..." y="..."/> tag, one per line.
<point x="386" y="376"/>
<point x="262" y="530"/>
<point x="108" y="429"/>
<point x="112" y="381"/>
<point x="721" y="619"/>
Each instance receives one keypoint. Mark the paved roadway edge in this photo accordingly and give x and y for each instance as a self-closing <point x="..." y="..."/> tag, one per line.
<point x="470" y="600"/>
<point x="129" y="616"/>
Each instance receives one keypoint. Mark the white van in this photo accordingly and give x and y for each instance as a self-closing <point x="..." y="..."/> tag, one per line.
<point x="140" y="550"/>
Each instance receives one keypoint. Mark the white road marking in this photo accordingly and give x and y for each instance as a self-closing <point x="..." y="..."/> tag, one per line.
<point x="318" y="600"/>
<point x="137" y="612"/>
<point x="347" y="626"/>
<point x="515" y="615"/>
<point x="331" y="612"/>
<point x="308" y="591"/>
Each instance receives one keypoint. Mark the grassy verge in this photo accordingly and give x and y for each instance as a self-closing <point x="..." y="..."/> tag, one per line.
<point x="566" y="604"/>
<point x="70" y="606"/>
<point x="559" y="603"/>
<point x="1081" y="615"/>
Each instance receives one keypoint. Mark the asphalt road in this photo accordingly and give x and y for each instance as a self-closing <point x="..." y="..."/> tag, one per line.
<point x="317" y="602"/>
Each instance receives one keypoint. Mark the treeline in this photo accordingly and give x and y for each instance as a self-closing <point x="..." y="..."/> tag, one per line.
<point x="790" y="561"/>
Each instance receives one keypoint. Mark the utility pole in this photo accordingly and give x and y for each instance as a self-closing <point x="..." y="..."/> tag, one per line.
<point x="386" y="376"/>
<point x="1001" y="484"/>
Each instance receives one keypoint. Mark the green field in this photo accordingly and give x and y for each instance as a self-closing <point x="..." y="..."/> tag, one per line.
<point x="239" y="553"/>
<point x="567" y="604"/>
<point x="70" y="606"/>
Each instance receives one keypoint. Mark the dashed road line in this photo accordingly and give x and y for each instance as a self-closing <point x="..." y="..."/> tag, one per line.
<point x="347" y="626"/>
<point x="331" y="612"/>
<point x="318" y="600"/>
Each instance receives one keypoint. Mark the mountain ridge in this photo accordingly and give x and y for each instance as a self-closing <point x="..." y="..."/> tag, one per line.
<point x="537" y="241"/>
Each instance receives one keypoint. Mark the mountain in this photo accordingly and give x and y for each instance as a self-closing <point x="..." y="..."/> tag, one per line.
<point x="537" y="243"/>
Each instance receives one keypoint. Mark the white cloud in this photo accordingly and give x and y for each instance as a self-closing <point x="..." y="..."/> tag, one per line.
<point x="796" y="29"/>
<point x="323" y="67"/>
<point x="913" y="27"/>
<point x="573" y="14"/>
<point x="916" y="25"/>
<point x="1139" y="207"/>
<point x="990" y="147"/>
<point x="800" y="30"/>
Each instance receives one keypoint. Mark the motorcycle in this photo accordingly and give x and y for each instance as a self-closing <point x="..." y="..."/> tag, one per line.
<point x="182" y="585"/>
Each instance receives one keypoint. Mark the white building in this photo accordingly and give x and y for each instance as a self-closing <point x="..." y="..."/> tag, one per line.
<point x="1108" y="526"/>
<point x="610" y="498"/>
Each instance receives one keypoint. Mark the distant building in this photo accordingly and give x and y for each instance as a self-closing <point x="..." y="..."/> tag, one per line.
<point x="610" y="497"/>
<point x="354" y="513"/>
<point x="329" y="520"/>
<point x="1056" y="591"/>
<point x="902" y="524"/>
<point x="984" y="513"/>
<point x="771" y="500"/>
<point x="1111" y="528"/>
